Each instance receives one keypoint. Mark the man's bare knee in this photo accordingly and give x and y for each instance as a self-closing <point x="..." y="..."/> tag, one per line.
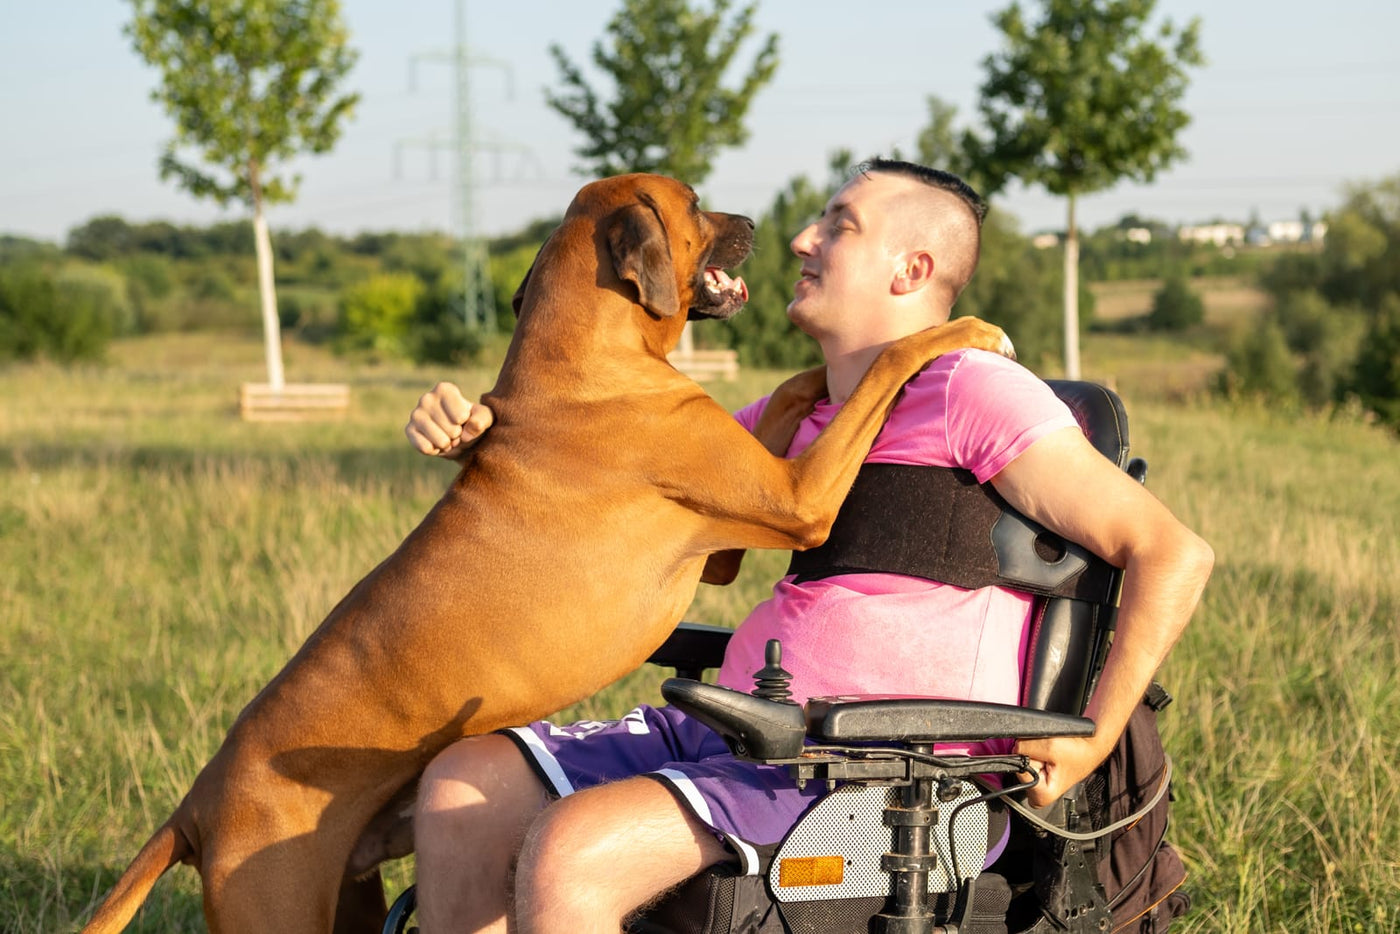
<point x="475" y="801"/>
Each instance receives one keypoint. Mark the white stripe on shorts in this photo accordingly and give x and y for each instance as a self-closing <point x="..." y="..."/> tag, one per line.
<point x="545" y="760"/>
<point x="748" y="856"/>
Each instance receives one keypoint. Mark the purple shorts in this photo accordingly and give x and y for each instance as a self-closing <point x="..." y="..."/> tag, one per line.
<point x="749" y="806"/>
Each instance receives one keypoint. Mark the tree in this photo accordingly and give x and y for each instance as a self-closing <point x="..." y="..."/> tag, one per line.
<point x="1176" y="306"/>
<point x="670" y="113"/>
<point x="250" y="84"/>
<point x="942" y="146"/>
<point x="1377" y="375"/>
<point x="1014" y="286"/>
<point x="1079" y="100"/>
<point x="763" y="334"/>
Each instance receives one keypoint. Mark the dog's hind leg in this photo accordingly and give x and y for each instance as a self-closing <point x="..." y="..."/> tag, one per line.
<point x="287" y="887"/>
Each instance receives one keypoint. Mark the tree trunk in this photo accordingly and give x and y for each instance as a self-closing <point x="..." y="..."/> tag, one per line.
<point x="1071" y="295"/>
<point x="272" y="326"/>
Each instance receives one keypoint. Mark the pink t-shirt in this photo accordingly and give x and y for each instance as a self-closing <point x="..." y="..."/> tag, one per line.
<point x="892" y="634"/>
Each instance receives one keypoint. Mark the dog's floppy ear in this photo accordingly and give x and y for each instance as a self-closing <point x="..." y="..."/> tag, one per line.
<point x="641" y="254"/>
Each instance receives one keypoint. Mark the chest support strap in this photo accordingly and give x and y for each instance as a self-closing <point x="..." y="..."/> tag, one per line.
<point x="939" y="524"/>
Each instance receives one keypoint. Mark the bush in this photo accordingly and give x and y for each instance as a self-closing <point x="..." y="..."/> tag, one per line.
<point x="1327" y="339"/>
<point x="439" y="333"/>
<point x="39" y="317"/>
<point x="1259" y="365"/>
<point x="377" y="313"/>
<point x="1376" y="380"/>
<point x="101" y="289"/>
<point x="1176" y="306"/>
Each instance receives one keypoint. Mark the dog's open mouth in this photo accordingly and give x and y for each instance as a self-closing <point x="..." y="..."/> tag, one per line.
<point x="721" y="297"/>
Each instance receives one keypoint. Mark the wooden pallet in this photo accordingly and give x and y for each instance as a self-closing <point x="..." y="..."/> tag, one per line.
<point x="295" y="402"/>
<point x="701" y="365"/>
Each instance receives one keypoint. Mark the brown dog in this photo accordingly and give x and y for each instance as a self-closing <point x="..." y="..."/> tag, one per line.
<point x="563" y="554"/>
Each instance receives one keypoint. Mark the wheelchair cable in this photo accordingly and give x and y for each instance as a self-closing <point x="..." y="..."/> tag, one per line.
<point x="989" y="794"/>
<point x="1131" y="819"/>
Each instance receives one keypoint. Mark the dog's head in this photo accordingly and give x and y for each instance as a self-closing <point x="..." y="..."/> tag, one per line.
<point x="657" y="246"/>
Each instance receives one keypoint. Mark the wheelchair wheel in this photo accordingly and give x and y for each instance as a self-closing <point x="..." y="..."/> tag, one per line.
<point x="401" y="911"/>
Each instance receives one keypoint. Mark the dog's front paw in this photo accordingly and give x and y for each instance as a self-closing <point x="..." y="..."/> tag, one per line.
<point x="974" y="332"/>
<point x="1007" y="349"/>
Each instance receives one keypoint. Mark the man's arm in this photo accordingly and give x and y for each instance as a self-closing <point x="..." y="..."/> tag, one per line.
<point x="446" y="423"/>
<point x="1073" y="490"/>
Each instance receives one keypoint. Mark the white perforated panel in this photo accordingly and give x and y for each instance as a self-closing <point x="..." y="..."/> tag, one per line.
<point x="849" y="823"/>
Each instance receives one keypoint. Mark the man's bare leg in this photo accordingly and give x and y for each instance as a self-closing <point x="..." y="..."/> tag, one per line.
<point x="594" y="857"/>
<point x="475" y="802"/>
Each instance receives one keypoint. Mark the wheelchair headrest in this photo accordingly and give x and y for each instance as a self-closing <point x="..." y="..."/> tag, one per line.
<point x="1100" y="414"/>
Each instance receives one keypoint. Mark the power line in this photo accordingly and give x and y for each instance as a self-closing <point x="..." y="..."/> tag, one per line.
<point x="478" y="305"/>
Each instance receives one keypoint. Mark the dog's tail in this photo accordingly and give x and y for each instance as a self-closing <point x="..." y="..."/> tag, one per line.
<point x="166" y="848"/>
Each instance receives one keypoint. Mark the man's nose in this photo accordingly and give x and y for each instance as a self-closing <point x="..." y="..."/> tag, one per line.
<point x="802" y="243"/>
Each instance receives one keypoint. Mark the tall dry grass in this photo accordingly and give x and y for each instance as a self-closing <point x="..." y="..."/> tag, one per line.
<point x="159" y="560"/>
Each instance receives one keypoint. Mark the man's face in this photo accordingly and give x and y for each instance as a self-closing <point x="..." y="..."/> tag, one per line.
<point x="849" y="256"/>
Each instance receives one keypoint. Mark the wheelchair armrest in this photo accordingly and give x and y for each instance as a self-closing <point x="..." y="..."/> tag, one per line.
<point x="752" y="727"/>
<point x="914" y="719"/>
<point x="691" y="648"/>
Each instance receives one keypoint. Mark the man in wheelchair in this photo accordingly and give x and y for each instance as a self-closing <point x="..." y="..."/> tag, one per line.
<point x="576" y="828"/>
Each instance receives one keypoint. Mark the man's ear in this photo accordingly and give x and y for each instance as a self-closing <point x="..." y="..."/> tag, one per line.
<point x="641" y="254"/>
<point x="914" y="272"/>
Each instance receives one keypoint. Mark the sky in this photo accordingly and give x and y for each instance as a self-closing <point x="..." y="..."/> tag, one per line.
<point x="1297" y="101"/>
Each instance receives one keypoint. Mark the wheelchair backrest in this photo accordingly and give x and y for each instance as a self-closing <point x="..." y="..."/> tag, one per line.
<point x="1069" y="637"/>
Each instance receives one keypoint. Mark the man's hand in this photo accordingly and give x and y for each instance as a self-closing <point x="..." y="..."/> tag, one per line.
<point x="1061" y="762"/>
<point x="445" y="423"/>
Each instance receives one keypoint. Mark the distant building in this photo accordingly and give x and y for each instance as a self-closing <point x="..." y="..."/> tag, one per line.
<point x="1296" y="232"/>
<point x="1219" y="234"/>
<point x="1044" y="241"/>
<point x="1138" y="235"/>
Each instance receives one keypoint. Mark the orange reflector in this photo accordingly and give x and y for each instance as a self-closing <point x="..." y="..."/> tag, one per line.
<point x="811" y="870"/>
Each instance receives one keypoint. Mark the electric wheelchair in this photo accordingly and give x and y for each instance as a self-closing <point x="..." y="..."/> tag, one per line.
<point x="900" y="845"/>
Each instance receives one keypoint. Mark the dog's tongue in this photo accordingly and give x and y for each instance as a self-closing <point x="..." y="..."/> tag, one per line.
<point x="726" y="284"/>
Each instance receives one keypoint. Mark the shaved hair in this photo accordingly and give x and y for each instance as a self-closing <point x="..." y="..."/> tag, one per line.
<point x="949" y="224"/>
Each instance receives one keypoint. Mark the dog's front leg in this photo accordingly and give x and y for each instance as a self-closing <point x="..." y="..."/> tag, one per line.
<point x="790" y="403"/>
<point x="759" y="501"/>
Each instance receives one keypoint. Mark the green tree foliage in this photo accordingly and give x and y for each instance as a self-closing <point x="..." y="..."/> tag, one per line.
<point x="1336" y="308"/>
<point x="438" y="333"/>
<point x="1016" y="287"/>
<point x="762" y="333"/>
<point x="670" y="112"/>
<point x="1259" y="365"/>
<point x="22" y="249"/>
<point x="1176" y="306"/>
<point x="1015" y="284"/>
<point x="1079" y="99"/>
<point x="376" y="314"/>
<point x="251" y="84"/>
<point x="942" y="145"/>
<point x="1376" y="380"/>
<point x="62" y="319"/>
<point x="1324" y="338"/>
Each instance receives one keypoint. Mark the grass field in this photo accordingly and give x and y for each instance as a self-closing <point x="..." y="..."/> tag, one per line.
<point x="160" y="559"/>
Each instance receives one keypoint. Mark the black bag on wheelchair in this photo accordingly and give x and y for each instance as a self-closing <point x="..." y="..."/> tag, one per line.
<point x="1142" y="874"/>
